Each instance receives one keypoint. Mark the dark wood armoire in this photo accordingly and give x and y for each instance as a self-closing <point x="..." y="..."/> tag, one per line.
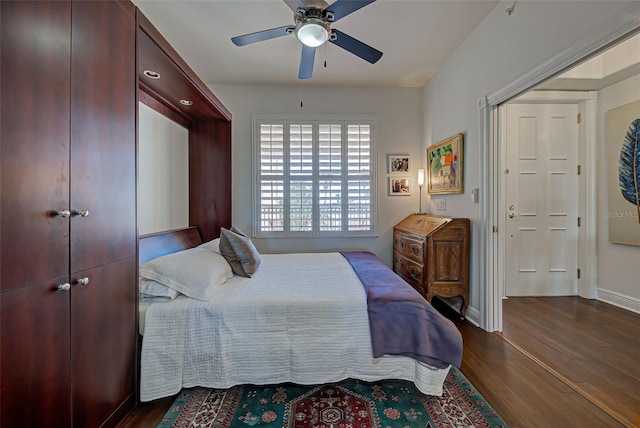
<point x="432" y="254"/>
<point x="68" y="212"/>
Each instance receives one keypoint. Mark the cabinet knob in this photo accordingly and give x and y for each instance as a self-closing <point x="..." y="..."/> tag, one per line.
<point x="83" y="281"/>
<point x="81" y="213"/>
<point x="64" y="287"/>
<point x="63" y="213"/>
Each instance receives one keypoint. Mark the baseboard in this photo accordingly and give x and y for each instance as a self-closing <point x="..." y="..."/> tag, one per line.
<point x="473" y="316"/>
<point x="619" y="300"/>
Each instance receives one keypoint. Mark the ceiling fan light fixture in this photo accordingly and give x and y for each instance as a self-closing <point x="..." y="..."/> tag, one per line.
<point x="312" y="32"/>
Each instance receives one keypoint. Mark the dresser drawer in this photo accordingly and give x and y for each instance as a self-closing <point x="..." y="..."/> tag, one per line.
<point x="409" y="270"/>
<point x="409" y="245"/>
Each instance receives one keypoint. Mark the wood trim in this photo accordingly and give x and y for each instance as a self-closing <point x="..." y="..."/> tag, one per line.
<point x="210" y="191"/>
<point x="162" y="243"/>
<point x="151" y="99"/>
<point x="148" y="28"/>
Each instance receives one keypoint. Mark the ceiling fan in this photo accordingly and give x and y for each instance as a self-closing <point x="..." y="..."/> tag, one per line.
<point x="312" y="26"/>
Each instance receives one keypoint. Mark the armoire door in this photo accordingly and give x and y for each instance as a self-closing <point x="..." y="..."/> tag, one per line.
<point x="103" y="133"/>
<point x="35" y="371"/>
<point x="34" y="139"/>
<point x="103" y="342"/>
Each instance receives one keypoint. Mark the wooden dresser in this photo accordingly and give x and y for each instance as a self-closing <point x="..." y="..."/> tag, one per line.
<point x="432" y="254"/>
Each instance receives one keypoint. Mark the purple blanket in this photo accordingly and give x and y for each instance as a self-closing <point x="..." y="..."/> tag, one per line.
<point x="402" y="322"/>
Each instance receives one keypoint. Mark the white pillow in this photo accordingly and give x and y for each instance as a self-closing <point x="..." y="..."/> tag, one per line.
<point x="195" y="272"/>
<point x="213" y="245"/>
<point x="150" y="288"/>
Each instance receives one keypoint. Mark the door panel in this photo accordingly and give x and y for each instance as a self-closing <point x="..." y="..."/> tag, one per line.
<point x="35" y="373"/>
<point x="103" y="134"/>
<point x="103" y="339"/>
<point x="542" y="199"/>
<point x="34" y="139"/>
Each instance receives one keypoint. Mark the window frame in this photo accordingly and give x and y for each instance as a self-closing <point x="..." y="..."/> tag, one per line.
<point x="315" y="121"/>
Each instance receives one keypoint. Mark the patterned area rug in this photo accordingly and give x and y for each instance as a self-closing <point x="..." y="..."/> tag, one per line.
<point x="347" y="404"/>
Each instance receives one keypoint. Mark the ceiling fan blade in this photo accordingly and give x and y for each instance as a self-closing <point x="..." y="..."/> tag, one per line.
<point x="262" y="35"/>
<point x="356" y="47"/>
<point x="294" y="5"/>
<point x="306" y="62"/>
<point x="342" y="8"/>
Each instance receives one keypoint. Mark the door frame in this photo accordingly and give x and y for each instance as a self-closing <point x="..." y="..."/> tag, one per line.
<point x="594" y="42"/>
<point x="586" y="245"/>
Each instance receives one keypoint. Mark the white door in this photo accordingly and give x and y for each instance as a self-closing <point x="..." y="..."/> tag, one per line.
<point x="541" y="204"/>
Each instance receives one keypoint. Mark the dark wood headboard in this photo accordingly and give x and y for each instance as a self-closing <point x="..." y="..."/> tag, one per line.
<point x="162" y="243"/>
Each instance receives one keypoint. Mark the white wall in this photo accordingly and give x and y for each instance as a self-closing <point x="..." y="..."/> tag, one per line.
<point x="399" y="130"/>
<point x="501" y="49"/>
<point x="163" y="176"/>
<point x="618" y="265"/>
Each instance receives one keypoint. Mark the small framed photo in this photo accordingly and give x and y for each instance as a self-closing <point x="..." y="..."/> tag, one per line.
<point x="398" y="164"/>
<point x="399" y="186"/>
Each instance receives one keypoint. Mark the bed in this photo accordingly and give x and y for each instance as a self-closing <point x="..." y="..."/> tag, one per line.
<point x="304" y="318"/>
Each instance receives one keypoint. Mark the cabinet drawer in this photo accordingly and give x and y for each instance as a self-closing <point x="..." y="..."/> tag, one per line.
<point x="410" y="246"/>
<point x="409" y="270"/>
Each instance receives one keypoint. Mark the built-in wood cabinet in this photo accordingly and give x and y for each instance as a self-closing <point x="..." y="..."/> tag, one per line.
<point x="208" y="122"/>
<point x="432" y="254"/>
<point x="68" y="251"/>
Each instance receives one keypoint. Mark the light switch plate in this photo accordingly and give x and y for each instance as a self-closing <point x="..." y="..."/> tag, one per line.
<point x="441" y="204"/>
<point x="474" y="195"/>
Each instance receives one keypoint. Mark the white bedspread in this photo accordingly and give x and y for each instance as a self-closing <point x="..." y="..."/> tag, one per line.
<point x="302" y="318"/>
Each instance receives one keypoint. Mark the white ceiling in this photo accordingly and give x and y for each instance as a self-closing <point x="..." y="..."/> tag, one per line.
<point x="415" y="36"/>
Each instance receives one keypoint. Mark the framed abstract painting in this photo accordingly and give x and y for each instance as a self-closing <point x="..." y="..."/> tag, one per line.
<point x="445" y="166"/>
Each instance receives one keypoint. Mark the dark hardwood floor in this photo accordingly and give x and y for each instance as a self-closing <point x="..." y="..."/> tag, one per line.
<point x="522" y="391"/>
<point x="591" y="345"/>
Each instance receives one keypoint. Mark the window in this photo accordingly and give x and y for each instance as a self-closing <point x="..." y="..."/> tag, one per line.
<point x="314" y="177"/>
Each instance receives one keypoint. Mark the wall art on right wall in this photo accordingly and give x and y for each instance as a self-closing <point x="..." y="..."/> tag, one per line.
<point x="445" y="162"/>
<point x="623" y="148"/>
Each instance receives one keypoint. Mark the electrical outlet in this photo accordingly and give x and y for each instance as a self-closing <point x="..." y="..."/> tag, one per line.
<point x="441" y="204"/>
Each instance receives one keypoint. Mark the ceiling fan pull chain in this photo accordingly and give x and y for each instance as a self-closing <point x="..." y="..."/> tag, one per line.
<point x="325" y="55"/>
<point x="300" y="95"/>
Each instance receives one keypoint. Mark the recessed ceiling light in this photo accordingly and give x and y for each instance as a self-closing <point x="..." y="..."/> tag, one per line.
<point x="151" y="74"/>
<point x="186" y="102"/>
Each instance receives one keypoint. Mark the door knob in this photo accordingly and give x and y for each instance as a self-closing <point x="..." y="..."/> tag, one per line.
<point x="512" y="215"/>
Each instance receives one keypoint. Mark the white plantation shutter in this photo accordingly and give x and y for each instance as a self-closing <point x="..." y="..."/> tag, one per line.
<point x="359" y="177"/>
<point x="271" y="191"/>
<point x="315" y="177"/>
<point x="329" y="177"/>
<point x="300" y="177"/>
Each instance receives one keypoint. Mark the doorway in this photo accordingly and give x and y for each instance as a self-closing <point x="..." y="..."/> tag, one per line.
<point x="493" y="204"/>
<point x="541" y="195"/>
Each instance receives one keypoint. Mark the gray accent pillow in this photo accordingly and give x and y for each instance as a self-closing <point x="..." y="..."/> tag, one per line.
<point x="239" y="251"/>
